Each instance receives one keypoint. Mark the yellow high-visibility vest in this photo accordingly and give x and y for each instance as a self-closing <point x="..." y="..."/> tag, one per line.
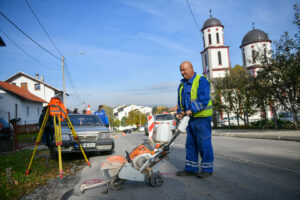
<point x="206" y="112"/>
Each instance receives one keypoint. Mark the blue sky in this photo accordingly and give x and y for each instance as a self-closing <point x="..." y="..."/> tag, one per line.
<point x="132" y="48"/>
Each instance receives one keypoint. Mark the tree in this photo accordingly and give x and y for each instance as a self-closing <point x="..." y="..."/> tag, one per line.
<point x="283" y="71"/>
<point x="117" y="123"/>
<point x="109" y="114"/>
<point x="135" y="117"/>
<point x="160" y="109"/>
<point x="124" y="121"/>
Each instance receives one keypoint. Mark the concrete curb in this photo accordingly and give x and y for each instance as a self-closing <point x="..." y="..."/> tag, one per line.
<point x="271" y="135"/>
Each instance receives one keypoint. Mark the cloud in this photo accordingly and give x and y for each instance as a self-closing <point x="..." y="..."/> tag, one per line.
<point x="167" y="87"/>
<point x="165" y="42"/>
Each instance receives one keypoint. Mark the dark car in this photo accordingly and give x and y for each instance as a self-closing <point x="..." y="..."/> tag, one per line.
<point x="6" y="130"/>
<point x="93" y="135"/>
<point x="127" y="131"/>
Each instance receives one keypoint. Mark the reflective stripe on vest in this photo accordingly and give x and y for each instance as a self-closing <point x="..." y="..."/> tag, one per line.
<point x="208" y="111"/>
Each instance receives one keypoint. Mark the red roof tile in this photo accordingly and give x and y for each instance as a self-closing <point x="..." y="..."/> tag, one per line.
<point x="23" y="93"/>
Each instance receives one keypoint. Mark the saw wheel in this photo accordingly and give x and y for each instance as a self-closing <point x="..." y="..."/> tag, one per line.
<point x="116" y="183"/>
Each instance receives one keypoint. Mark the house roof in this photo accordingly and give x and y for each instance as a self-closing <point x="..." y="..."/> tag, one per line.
<point x="23" y="93"/>
<point x="30" y="77"/>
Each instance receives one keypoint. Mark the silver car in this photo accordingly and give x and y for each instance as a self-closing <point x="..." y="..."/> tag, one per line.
<point x="93" y="135"/>
<point x="165" y="119"/>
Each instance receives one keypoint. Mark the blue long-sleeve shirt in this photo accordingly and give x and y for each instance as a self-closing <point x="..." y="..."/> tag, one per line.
<point x="203" y="95"/>
<point x="102" y="116"/>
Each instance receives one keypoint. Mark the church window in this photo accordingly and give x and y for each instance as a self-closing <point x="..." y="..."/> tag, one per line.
<point x="203" y="42"/>
<point x="218" y="39"/>
<point x="209" y="39"/>
<point x="265" y="53"/>
<point x="253" y="56"/>
<point x="205" y="59"/>
<point x="219" y="58"/>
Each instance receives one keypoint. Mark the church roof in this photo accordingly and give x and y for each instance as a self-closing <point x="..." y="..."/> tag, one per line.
<point x="255" y="35"/>
<point x="211" y="22"/>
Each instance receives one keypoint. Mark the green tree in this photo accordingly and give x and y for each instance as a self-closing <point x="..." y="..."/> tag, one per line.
<point x="283" y="70"/>
<point x="109" y="114"/>
<point x="124" y="121"/>
<point x="117" y="123"/>
<point x="135" y="117"/>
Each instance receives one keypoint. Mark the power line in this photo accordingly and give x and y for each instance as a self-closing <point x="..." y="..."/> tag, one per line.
<point x="29" y="36"/>
<point x="43" y="27"/>
<point x="193" y="16"/>
<point x="26" y="52"/>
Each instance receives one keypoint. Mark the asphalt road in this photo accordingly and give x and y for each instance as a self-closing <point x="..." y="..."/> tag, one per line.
<point x="244" y="169"/>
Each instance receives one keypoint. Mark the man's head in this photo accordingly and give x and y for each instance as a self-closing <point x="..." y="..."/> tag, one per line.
<point x="187" y="70"/>
<point x="100" y="107"/>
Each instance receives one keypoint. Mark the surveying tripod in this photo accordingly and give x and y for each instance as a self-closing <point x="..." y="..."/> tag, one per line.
<point x="57" y="118"/>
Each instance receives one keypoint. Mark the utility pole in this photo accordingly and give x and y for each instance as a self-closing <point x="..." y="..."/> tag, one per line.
<point x="64" y="83"/>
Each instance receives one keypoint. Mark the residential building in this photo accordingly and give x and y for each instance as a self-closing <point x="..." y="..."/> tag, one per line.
<point x="19" y="104"/>
<point x="36" y="85"/>
<point x="123" y="110"/>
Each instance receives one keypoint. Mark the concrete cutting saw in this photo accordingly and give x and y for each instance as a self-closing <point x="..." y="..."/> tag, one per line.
<point x="139" y="165"/>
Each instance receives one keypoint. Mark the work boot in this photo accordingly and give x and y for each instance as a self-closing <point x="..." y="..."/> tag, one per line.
<point x="185" y="173"/>
<point x="204" y="174"/>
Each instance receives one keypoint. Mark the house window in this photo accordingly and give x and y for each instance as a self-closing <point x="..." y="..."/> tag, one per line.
<point x="24" y="86"/>
<point x="27" y="113"/>
<point x="14" y="84"/>
<point x="244" y="59"/>
<point x="205" y="59"/>
<point x="37" y="86"/>
<point x="38" y="111"/>
<point x="253" y="56"/>
<point x="218" y="40"/>
<point x="219" y="58"/>
<point x="209" y="39"/>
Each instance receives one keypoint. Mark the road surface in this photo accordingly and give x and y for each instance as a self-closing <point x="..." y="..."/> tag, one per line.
<point x="244" y="169"/>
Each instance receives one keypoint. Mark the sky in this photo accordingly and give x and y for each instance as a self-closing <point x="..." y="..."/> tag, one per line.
<point x="126" y="51"/>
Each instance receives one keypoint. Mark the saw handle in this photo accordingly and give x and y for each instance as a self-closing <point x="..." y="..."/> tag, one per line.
<point x="128" y="157"/>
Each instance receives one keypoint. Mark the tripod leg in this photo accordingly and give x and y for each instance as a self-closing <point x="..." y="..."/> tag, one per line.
<point x="38" y="139"/>
<point x="59" y="149"/>
<point x="77" y="140"/>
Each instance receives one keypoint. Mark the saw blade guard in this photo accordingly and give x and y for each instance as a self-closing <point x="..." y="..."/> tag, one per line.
<point x="111" y="166"/>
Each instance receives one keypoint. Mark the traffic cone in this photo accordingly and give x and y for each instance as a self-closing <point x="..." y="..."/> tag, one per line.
<point x="88" y="110"/>
<point x="116" y="136"/>
<point x="123" y="134"/>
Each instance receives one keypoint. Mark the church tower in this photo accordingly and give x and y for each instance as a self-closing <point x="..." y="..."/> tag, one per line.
<point x="215" y="56"/>
<point x="255" y="44"/>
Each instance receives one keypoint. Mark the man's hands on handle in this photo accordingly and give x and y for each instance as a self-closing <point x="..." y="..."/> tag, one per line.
<point x="182" y="114"/>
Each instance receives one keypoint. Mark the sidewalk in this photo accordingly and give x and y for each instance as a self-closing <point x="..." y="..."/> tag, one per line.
<point x="289" y="135"/>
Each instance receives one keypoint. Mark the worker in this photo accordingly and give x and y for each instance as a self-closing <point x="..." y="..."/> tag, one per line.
<point x="194" y="101"/>
<point x="48" y="133"/>
<point x="101" y="113"/>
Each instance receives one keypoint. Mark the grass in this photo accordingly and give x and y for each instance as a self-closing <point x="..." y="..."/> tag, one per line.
<point x="30" y="138"/>
<point x="40" y="171"/>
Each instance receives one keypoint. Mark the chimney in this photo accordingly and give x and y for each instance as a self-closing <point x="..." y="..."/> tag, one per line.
<point x="42" y="78"/>
<point x="37" y="76"/>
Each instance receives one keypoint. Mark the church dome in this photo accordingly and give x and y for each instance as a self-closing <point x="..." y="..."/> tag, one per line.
<point x="211" y="22"/>
<point x="255" y="35"/>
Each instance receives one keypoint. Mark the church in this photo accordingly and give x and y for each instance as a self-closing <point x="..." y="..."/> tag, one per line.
<point x="215" y="56"/>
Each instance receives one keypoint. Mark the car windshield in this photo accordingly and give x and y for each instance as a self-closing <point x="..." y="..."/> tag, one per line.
<point x="84" y="120"/>
<point x="163" y="117"/>
<point x="4" y="123"/>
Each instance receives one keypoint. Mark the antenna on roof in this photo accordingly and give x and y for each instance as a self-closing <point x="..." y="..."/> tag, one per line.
<point x="253" y="25"/>
<point x="210" y="13"/>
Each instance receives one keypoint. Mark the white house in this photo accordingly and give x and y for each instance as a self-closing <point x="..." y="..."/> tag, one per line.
<point x="123" y="111"/>
<point x="36" y="85"/>
<point x="21" y="105"/>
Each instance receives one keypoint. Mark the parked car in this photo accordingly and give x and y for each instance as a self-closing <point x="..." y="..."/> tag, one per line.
<point x="6" y="130"/>
<point x="165" y="119"/>
<point x="141" y="128"/>
<point x="127" y="131"/>
<point x="233" y="121"/>
<point x="93" y="135"/>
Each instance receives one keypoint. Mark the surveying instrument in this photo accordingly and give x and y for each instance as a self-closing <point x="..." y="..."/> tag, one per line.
<point x="59" y="113"/>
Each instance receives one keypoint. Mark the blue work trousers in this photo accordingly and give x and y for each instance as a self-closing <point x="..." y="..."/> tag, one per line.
<point x="199" y="141"/>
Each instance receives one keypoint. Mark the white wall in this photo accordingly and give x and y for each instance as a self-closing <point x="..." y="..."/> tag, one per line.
<point x="213" y="31"/>
<point x="8" y="102"/>
<point x="257" y="47"/>
<point x="45" y="92"/>
<point x="127" y="109"/>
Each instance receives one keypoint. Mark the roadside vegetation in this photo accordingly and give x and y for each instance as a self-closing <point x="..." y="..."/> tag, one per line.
<point x="42" y="170"/>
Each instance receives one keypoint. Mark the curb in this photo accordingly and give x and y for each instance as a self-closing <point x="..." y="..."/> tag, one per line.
<point x="256" y="136"/>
